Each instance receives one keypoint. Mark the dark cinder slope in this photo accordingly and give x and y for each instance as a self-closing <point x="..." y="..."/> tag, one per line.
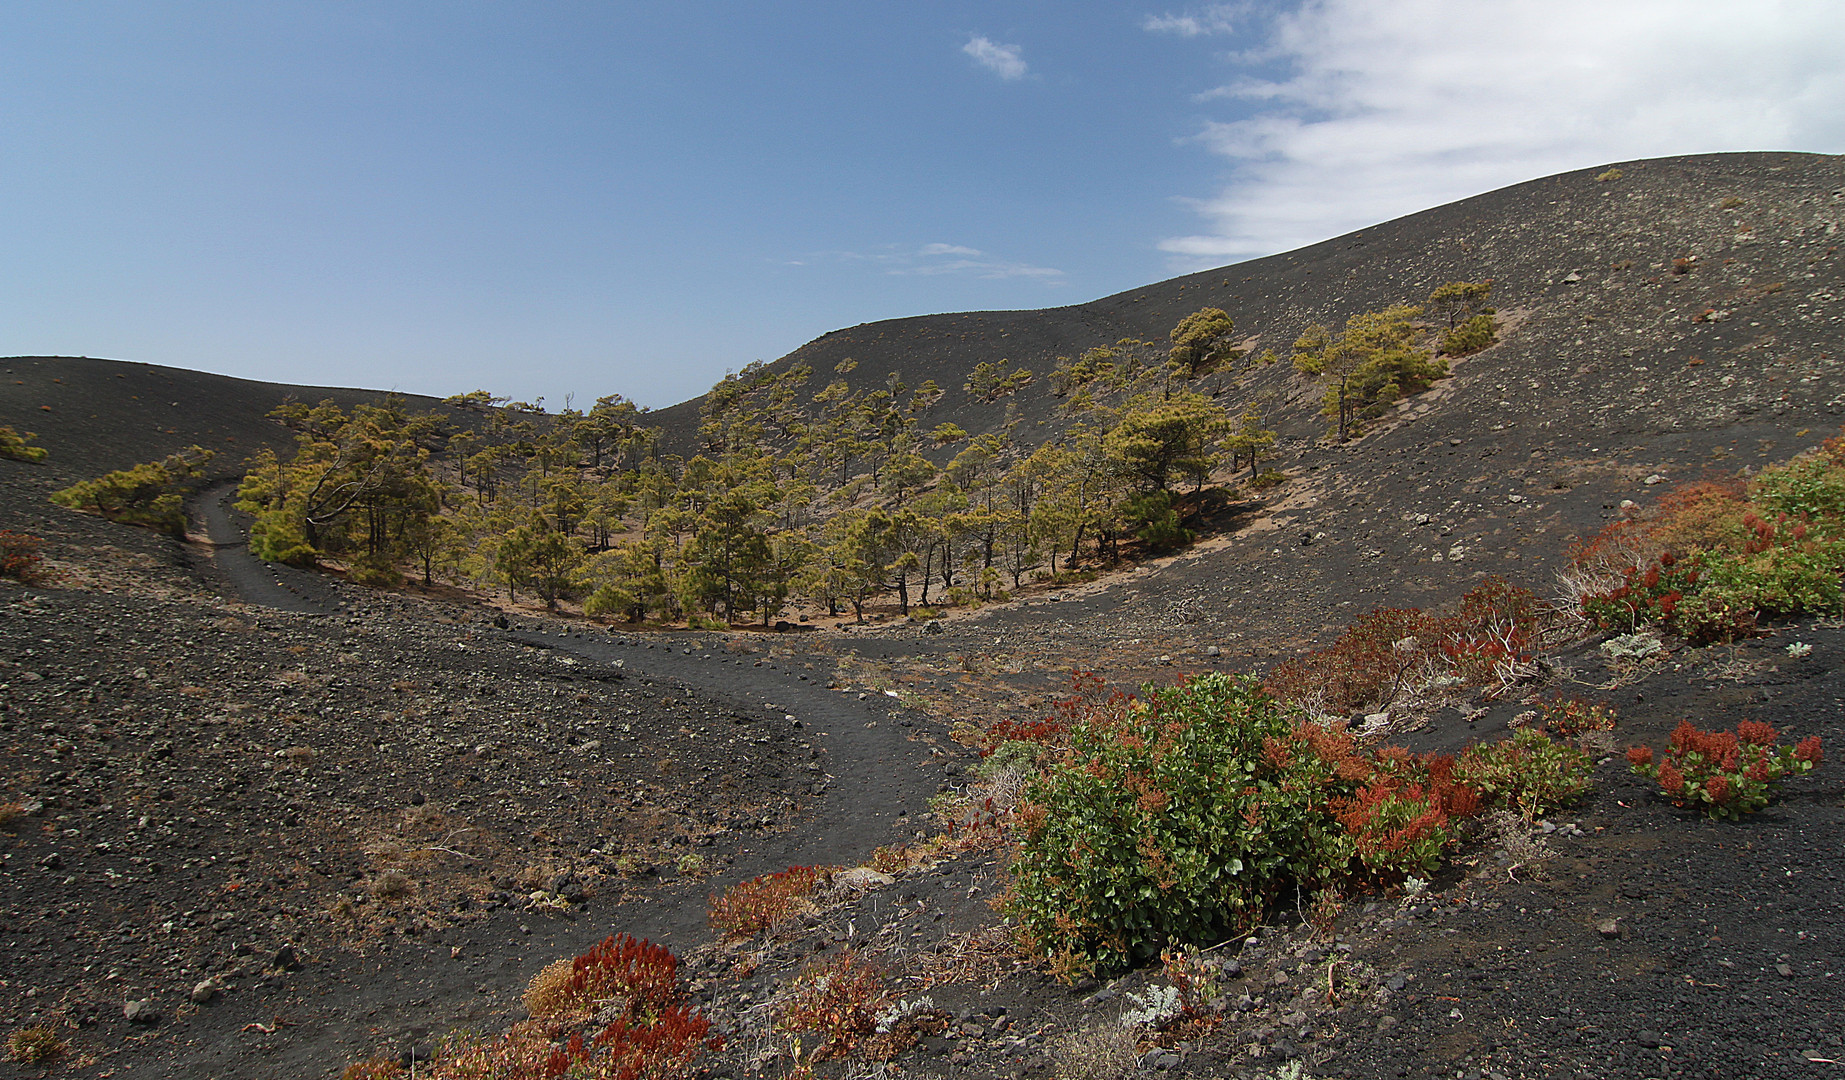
<point x="95" y="416"/>
<point x="1528" y="238"/>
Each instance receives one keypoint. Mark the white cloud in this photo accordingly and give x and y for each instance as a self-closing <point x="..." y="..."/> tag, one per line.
<point x="1006" y="61"/>
<point x="1214" y="20"/>
<point x="1390" y="108"/>
<point x="932" y="260"/>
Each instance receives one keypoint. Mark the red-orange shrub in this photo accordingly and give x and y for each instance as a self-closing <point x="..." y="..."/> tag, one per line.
<point x="758" y="904"/>
<point x="20" y="558"/>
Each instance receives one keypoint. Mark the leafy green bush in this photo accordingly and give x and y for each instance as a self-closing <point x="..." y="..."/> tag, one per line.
<point x="1162" y="823"/>
<point x="1183" y="817"/>
<point x="1529" y="772"/>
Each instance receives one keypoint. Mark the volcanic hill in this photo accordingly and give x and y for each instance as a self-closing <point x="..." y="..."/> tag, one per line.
<point x="306" y="837"/>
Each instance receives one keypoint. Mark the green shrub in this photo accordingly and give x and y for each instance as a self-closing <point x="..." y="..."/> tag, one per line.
<point x="613" y="600"/>
<point x="1184" y="816"/>
<point x="1471" y="336"/>
<point x="1155" y="522"/>
<point x="151" y="494"/>
<point x="1807" y="487"/>
<point x="1709" y="562"/>
<point x="1158" y="825"/>
<point x="1530" y="772"/>
<point x="1010" y="753"/>
<point x="18" y="447"/>
<point x="35" y="1045"/>
<point x="1268" y="478"/>
<point x="376" y="570"/>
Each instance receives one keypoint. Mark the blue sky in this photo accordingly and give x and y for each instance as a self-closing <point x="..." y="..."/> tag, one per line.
<point x="545" y="199"/>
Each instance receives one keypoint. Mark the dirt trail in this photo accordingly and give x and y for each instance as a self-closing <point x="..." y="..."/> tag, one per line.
<point x="880" y="770"/>
<point x="249" y="578"/>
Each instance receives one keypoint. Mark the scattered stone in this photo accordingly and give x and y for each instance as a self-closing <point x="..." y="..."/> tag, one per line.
<point x="862" y="877"/>
<point x="140" y="1012"/>
<point x="1648" y="1039"/>
<point x="933" y="626"/>
<point x="204" y="991"/>
<point x="1609" y="928"/>
<point x="286" y="959"/>
<point x="1784" y="971"/>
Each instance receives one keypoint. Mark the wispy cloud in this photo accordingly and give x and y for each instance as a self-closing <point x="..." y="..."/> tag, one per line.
<point x="1373" y="116"/>
<point x="1214" y="19"/>
<point x="932" y="260"/>
<point x="1006" y="61"/>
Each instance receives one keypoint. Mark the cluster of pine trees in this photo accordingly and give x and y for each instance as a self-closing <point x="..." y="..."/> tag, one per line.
<point x="831" y="492"/>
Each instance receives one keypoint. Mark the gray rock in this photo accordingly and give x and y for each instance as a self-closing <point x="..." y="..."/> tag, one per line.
<point x="1609" y="928"/>
<point x="204" y="991"/>
<point x="140" y="1012"/>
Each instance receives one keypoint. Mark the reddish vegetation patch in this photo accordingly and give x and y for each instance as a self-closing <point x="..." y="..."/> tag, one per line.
<point x="758" y="904"/>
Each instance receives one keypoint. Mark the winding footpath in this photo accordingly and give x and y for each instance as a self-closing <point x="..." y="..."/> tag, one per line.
<point x="880" y="776"/>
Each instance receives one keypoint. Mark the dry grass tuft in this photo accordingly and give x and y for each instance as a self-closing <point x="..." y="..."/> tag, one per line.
<point x="392" y="885"/>
<point x="35" y="1045"/>
<point x="1099" y="1053"/>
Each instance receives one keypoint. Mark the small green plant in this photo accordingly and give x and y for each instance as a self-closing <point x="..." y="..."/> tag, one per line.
<point x="1268" y="478"/>
<point x="1609" y="177"/>
<point x="1725" y="774"/>
<point x="18" y="446"/>
<point x="696" y="621"/>
<point x="1529" y="772"/>
<point x="35" y="1045"/>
